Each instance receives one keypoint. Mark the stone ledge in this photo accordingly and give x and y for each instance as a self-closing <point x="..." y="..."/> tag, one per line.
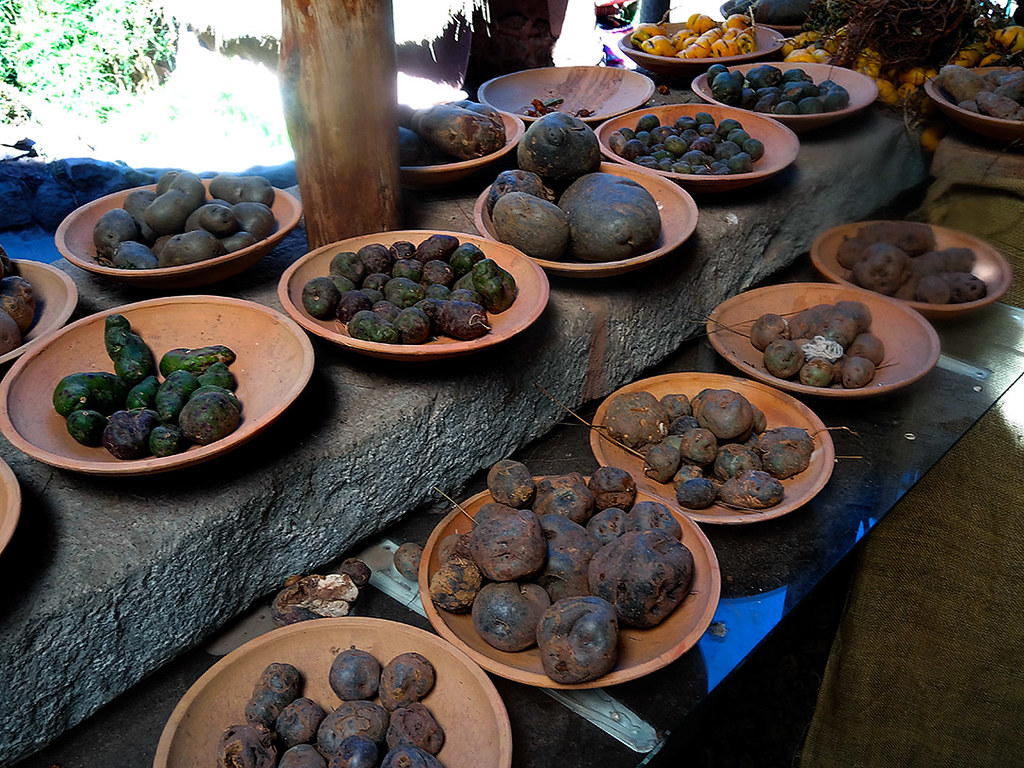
<point x="111" y="578"/>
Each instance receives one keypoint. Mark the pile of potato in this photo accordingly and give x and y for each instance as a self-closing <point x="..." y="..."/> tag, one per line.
<point x="765" y="88"/>
<point x="793" y="347"/>
<point x="18" y="302"/>
<point x="449" y="133"/>
<point x="598" y="217"/>
<point x="177" y="224"/>
<point x="560" y="562"/>
<point x="406" y="293"/>
<point x="381" y="714"/>
<point x="713" y="447"/>
<point x="899" y="259"/>
<point x="998" y="93"/>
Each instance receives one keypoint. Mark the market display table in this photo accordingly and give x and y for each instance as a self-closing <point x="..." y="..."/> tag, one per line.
<point x="110" y="579"/>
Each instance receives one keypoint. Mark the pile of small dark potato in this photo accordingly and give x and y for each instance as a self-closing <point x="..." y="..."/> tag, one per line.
<point x="381" y="715"/>
<point x="561" y="562"/>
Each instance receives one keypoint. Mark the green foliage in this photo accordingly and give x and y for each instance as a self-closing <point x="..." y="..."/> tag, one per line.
<point x="80" y="53"/>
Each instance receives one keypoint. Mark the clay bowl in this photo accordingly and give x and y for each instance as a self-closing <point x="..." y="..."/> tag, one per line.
<point x="998" y="129"/>
<point x="769" y="42"/>
<point x="275" y="360"/>
<point x="911" y="344"/>
<point x="678" y="221"/>
<point x="862" y="90"/>
<point x="464" y="700"/>
<point x="10" y="504"/>
<point x="431" y="176"/>
<point x="641" y="651"/>
<point x="781" y="145"/>
<point x="780" y="409"/>
<point x="990" y="266"/>
<point x="56" y="298"/>
<point x="604" y="91"/>
<point x="74" y="241"/>
<point x="529" y="303"/>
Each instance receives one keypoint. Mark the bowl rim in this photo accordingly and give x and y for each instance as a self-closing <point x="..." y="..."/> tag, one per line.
<point x="11" y="504"/>
<point x="59" y="318"/>
<point x="152" y="464"/>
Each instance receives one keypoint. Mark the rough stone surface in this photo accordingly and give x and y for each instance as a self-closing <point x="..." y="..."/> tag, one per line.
<point x="110" y="578"/>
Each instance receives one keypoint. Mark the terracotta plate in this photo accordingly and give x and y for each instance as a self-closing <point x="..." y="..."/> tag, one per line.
<point x="780" y="409"/>
<point x="678" y="221"/>
<point x="984" y="125"/>
<point x="641" y="651"/>
<point x="275" y="360"/>
<point x="56" y="298"/>
<point x="911" y="344"/>
<point x="781" y="145"/>
<point x="10" y="504"/>
<point x="74" y="241"/>
<point x="464" y="700"/>
<point x="530" y="302"/>
<point x="604" y="91"/>
<point x="862" y="90"/>
<point x="991" y="267"/>
<point x="430" y="176"/>
<point x="769" y="42"/>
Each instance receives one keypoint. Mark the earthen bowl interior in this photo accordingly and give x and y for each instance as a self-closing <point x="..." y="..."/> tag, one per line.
<point x="780" y="410"/>
<point x="781" y="145"/>
<point x="274" y="362"/>
<point x="604" y="91"/>
<point x="769" y="43"/>
<point x="10" y="504"/>
<point x="641" y="651"/>
<point x="56" y="297"/>
<point x="530" y="279"/>
<point x="862" y="90"/>
<point x="995" y="128"/>
<point x="678" y="221"/>
<point x="990" y="266"/>
<point x="464" y="700"/>
<point x="74" y="241"/>
<point x="911" y="344"/>
<point x="440" y="174"/>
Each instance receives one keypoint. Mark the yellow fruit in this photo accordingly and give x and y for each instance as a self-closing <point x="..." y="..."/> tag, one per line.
<point x="801" y="54"/>
<point x="658" y="46"/>
<point x="831" y="45"/>
<point x="737" y="21"/>
<point x="967" y="57"/>
<point x="788" y="46"/>
<point x="806" y="37"/>
<point x="645" y="32"/>
<point x="914" y="76"/>
<point x="931" y="136"/>
<point x="820" y="55"/>
<point x="906" y="91"/>
<point x="887" y="91"/>
<point x="700" y="22"/>
<point x="746" y="43"/>
<point x="699" y="50"/>
<point x="721" y="48"/>
<point x="1010" y="39"/>
<point x="991" y="60"/>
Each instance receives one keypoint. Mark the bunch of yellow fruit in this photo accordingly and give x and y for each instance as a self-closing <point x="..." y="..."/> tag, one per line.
<point x="810" y="47"/>
<point x="701" y="38"/>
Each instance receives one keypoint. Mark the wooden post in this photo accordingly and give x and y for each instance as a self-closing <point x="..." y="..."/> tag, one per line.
<point x="338" y="83"/>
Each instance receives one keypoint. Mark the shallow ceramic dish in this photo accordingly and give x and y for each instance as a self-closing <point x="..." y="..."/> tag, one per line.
<point x="780" y="410"/>
<point x="10" y="504"/>
<point x="74" y="241"/>
<point x="990" y="266"/>
<point x="781" y="145"/>
<point x="56" y="298"/>
<point x="530" y="301"/>
<point x="990" y="127"/>
<point x="604" y="91"/>
<point x="439" y="174"/>
<point x="464" y="701"/>
<point x="275" y="360"/>
<point x="862" y="90"/>
<point x="911" y="344"/>
<point x="641" y="651"/>
<point x="769" y="43"/>
<point x="678" y="221"/>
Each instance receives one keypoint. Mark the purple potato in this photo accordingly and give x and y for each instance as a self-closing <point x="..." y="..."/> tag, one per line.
<point x="406" y="678"/>
<point x="354" y="674"/>
<point x="578" y="639"/>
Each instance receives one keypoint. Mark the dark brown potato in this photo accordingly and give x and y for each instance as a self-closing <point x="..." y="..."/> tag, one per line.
<point x="760" y="422"/>
<point x="415" y="724"/>
<point x="696" y="493"/>
<point x="933" y="289"/>
<point x="453" y="545"/>
<point x="569" y="549"/>
<point x="652" y="516"/>
<point x="699" y="446"/>
<point x="662" y="460"/>
<point x="407" y="559"/>
<point x="682" y="425"/>
<point x="355" y="752"/>
<point x="279" y="685"/>
<point x="726" y="414"/>
<point x="455" y="585"/>
<point x="510" y="482"/>
<point x="612" y="487"/>
<point x="840" y="328"/>
<point x="607" y="524"/>
<point x="406" y="678"/>
<point x="785" y="451"/>
<point x="636" y="418"/>
<point x="751" y="489"/>
<point x="856" y="310"/>
<point x="766" y="329"/>
<point x="868" y="345"/>
<point x="516" y="181"/>
<point x="535" y="226"/>
<point x="645" y="575"/>
<point x="564" y="495"/>
<point x="354" y="674"/>
<point x="857" y="372"/>
<point x="352" y="718"/>
<point x="733" y="458"/>
<point x="377" y="258"/>
<point x="850" y="251"/>
<point x="505" y="614"/>
<point x="299" y="721"/>
<point x="508" y="547"/>
<point x="246" y="746"/>
<point x="802" y="325"/>
<point x="578" y="639"/>
<point x="883" y="268"/>
<point x="410" y="756"/>
<point x="783" y="358"/>
<point x="965" y="287"/>
<point x="909" y="236"/>
<point x="676" y="406"/>
<point x="687" y="472"/>
<point x="437" y="246"/>
<point x="356" y="570"/>
<point x="302" y="756"/>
